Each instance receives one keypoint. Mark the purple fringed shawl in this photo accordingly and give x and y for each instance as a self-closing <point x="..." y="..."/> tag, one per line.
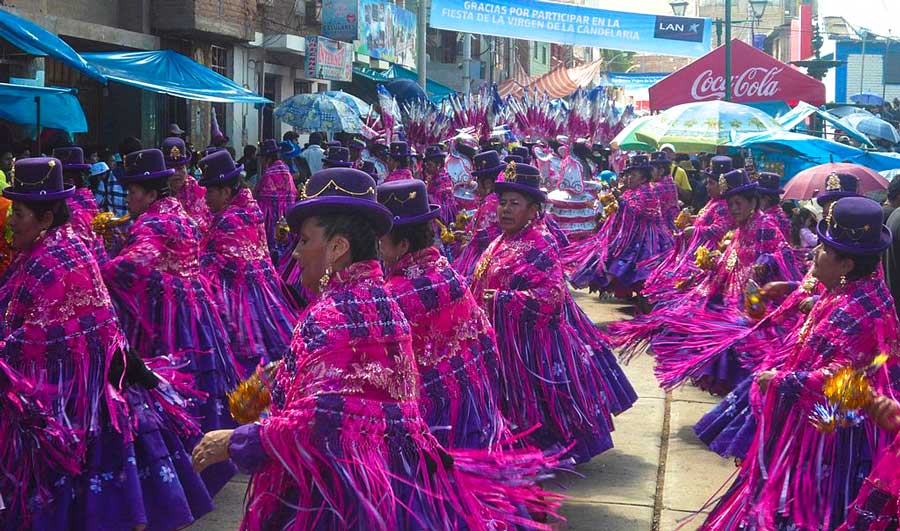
<point x="550" y="372"/>
<point x="250" y="294"/>
<point x="876" y="507"/>
<point x="82" y="211"/>
<point x="346" y="443"/>
<point x="276" y="193"/>
<point x="781" y="219"/>
<point x="711" y="224"/>
<point x="455" y="349"/>
<point x="440" y="192"/>
<point x="484" y="228"/>
<point x="192" y="197"/>
<point x="795" y="475"/>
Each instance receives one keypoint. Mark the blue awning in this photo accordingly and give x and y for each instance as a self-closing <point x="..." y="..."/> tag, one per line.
<point x="803" y="110"/>
<point x="60" y="108"/>
<point x="167" y="72"/>
<point x="35" y="40"/>
<point x="435" y="91"/>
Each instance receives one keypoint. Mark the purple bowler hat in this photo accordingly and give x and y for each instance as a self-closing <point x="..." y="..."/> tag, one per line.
<point x="838" y="185"/>
<point x="637" y="162"/>
<point x="769" y="183"/>
<point x="399" y="150"/>
<point x="735" y="182"/>
<point x="855" y="227"/>
<point x="487" y="164"/>
<point x="145" y="165"/>
<point x="513" y="158"/>
<point x="340" y="191"/>
<point x="379" y="149"/>
<point x="338" y="157"/>
<point x="37" y="179"/>
<point x="72" y="158"/>
<point x="218" y="167"/>
<point x="368" y="167"/>
<point x="175" y="152"/>
<point x="435" y="151"/>
<point x="524" y="152"/>
<point x="660" y="158"/>
<point x="407" y="200"/>
<point x="268" y="147"/>
<point x="718" y="166"/>
<point x="522" y="178"/>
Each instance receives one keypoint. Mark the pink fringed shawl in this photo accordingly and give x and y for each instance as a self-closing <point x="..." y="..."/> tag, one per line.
<point x="440" y="192"/>
<point x="82" y="211"/>
<point x="794" y="472"/>
<point x="276" y="193"/>
<point x="484" y="228"/>
<point x="192" y="197"/>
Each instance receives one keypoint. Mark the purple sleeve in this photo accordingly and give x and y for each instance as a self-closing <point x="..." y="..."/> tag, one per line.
<point x="246" y="449"/>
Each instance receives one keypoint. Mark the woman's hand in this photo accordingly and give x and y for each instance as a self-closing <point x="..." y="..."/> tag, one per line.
<point x="212" y="449"/>
<point x="885" y="412"/>
<point x="763" y="379"/>
<point x="688" y="232"/>
<point x="806" y="305"/>
<point x="775" y="290"/>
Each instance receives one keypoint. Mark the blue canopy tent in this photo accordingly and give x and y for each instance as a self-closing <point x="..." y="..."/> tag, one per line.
<point x="35" y="40"/>
<point x="167" y="72"/>
<point x="799" y="151"/>
<point x="435" y="91"/>
<point x="58" y="108"/>
<point x="803" y="110"/>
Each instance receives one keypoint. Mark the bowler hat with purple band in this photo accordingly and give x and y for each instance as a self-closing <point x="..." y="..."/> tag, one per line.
<point x="855" y="227"/>
<point x="218" y="167"/>
<point x="718" y="166"/>
<point x="268" y="147"/>
<point x="487" y="164"/>
<point x="341" y="191"/>
<point x="660" y="158"/>
<point x="522" y="178"/>
<point x="175" y="152"/>
<point x="523" y="152"/>
<point x="735" y="182"/>
<point x="407" y="200"/>
<point x="433" y="152"/>
<point x="337" y="157"/>
<point x="368" y="167"/>
<point x="72" y="158"/>
<point x="637" y="162"/>
<point x="145" y="165"/>
<point x="769" y="183"/>
<point x="399" y="150"/>
<point x="37" y="179"/>
<point x="838" y="185"/>
<point x="513" y="158"/>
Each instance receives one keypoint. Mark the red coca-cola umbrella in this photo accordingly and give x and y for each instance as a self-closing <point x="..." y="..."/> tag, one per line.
<point x="811" y="181"/>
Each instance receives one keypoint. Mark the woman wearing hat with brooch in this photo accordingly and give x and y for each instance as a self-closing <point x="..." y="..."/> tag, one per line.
<point x="184" y="186"/>
<point x="687" y="334"/>
<point x="82" y="206"/>
<point x="63" y="339"/>
<point x="630" y="245"/>
<point x="438" y="183"/>
<point x="809" y="457"/>
<point x="556" y="369"/>
<point x="337" y="157"/>
<point x="484" y="227"/>
<point x="235" y="259"/>
<point x="453" y="341"/>
<point x="769" y="186"/>
<point x="345" y="445"/>
<point x="399" y="162"/>
<point x="164" y="302"/>
<point x="275" y="192"/>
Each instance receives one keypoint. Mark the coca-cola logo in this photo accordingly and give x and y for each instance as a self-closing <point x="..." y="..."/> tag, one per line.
<point x="756" y="82"/>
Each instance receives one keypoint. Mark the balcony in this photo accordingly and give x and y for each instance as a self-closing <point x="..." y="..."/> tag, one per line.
<point x="213" y="19"/>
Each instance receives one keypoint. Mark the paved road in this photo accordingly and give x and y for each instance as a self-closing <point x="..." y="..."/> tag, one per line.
<point x="658" y="474"/>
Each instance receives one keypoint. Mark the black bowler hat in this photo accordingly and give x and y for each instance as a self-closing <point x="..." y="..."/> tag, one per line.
<point x="522" y="178"/>
<point x="407" y="200"/>
<point x="855" y="227"/>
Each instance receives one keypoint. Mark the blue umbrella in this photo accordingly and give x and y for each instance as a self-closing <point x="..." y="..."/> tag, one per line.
<point x="867" y="98"/>
<point x="318" y="112"/>
<point x="847" y="110"/>
<point x="873" y="126"/>
<point x="405" y="90"/>
<point x="362" y="108"/>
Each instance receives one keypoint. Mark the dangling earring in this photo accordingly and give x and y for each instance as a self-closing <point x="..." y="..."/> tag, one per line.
<point x="843" y="280"/>
<point x="326" y="278"/>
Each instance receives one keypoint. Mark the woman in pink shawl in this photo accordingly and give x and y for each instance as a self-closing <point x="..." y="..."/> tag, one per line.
<point x="681" y="332"/>
<point x="707" y="230"/>
<point x="165" y="304"/>
<point x="454" y="344"/>
<point x="556" y="369"/>
<point x="399" y="162"/>
<point x="345" y="445"/>
<point x="439" y="185"/>
<point x="82" y="206"/>
<point x="631" y="244"/>
<point x="61" y="337"/>
<point x="184" y="186"/>
<point x="484" y="227"/>
<point x="810" y="455"/>
<point x="275" y="192"/>
<point x="235" y="259"/>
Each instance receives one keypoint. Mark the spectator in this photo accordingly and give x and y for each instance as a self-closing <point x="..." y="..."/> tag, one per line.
<point x="678" y="173"/>
<point x="111" y="191"/>
<point x="6" y="164"/>
<point x="313" y="152"/>
<point x="803" y="229"/>
<point x="891" y="259"/>
<point x="175" y="130"/>
<point x="250" y="166"/>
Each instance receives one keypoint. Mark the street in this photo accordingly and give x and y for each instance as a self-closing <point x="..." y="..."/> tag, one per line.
<point x="657" y="475"/>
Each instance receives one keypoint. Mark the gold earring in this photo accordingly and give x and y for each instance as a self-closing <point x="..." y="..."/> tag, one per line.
<point x="843" y="280"/>
<point x="326" y="278"/>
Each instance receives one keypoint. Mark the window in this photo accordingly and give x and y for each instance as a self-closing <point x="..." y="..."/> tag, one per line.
<point x="543" y="54"/>
<point x="535" y="47"/>
<point x="218" y="63"/>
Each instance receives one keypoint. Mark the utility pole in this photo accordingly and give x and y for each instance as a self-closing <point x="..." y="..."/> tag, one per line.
<point x="421" y="35"/>
<point x="727" y="50"/>
<point x="467" y="62"/>
<point x="862" y="66"/>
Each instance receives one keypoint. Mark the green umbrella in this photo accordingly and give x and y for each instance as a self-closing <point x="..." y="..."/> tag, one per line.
<point x="626" y="141"/>
<point x="702" y="126"/>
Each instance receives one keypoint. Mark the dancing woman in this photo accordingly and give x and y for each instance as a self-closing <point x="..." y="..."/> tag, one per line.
<point x="275" y="192"/>
<point x="182" y="185"/>
<point x="484" y="226"/>
<point x="82" y="205"/>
